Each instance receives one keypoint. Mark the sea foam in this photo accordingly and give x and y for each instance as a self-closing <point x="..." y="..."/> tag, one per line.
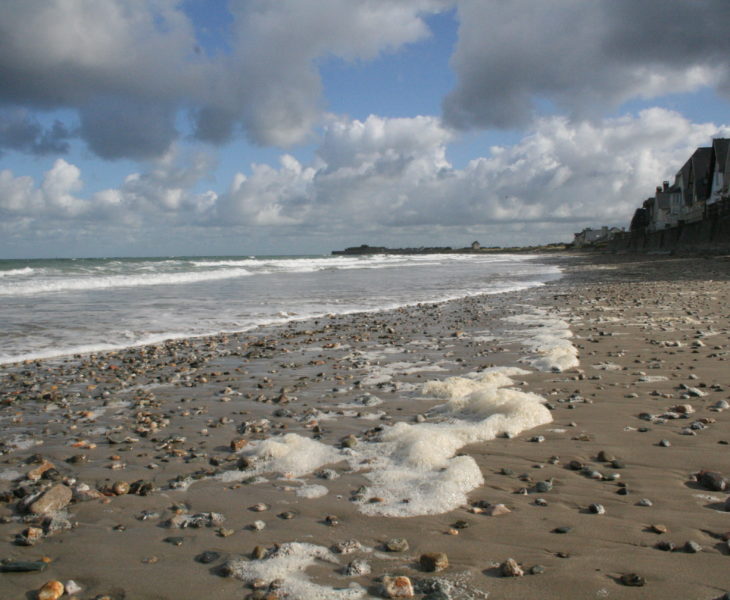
<point x="414" y="467"/>
<point x="549" y="339"/>
<point x="287" y="565"/>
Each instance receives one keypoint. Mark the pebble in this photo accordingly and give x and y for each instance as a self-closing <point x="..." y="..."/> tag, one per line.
<point x="347" y="547"/>
<point x="644" y="502"/>
<point x="692" y="547"/>
<point x="543" y="486"/>
<point x="22" y="566"/>
<point x="52" y="500"/>
<point x="712" y="480"/>
<point x="632" y="580"/>
<point x="510" y="568"/>
<point x="72" y="587"/>
<point x="51" y="590"/>
<point x="257" y="525"/>
<point x="175" y="541"/>
<point x="397" y="587"/>
<point x="357" y="567"/>
<point x="537" y="570"/>
<point x="658" y="528"/>
<point x="434" y="561"/>
<point x="597" y="509"/>
<point x="563" y="529"/>
<point x="665" y="546"/>
<point x="497" y="509"/>
<point x="665" y="443"/>
<point x="397" y="545"/>
<point x="207" y="557"/>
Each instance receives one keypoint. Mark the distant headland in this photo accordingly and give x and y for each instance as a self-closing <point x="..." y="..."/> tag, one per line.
<point x="475" y="248"/>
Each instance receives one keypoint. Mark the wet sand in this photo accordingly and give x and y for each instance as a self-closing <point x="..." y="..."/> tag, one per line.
<point x="652" y="334"/>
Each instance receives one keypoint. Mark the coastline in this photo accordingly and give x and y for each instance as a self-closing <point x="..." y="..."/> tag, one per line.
<point x="186" y="401"/>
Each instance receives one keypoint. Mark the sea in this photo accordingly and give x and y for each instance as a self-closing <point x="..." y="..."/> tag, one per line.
<point x="57" y="307"/>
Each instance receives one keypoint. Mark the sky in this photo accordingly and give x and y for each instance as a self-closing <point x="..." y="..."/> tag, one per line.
<point x="213" y="127"/>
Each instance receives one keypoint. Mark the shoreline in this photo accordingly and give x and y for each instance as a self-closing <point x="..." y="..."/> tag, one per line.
<point x="205" y="391"/>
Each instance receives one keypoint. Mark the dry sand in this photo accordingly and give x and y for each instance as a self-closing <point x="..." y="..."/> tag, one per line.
<point x="653" y="335"/>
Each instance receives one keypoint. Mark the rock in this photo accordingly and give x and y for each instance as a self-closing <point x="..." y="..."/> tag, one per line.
<point x="644" y="502"/>
<point x="563" y="529"/>
<point x="434" y="561"/>
<point x="658" y="528"/>
<point x="397" y="587"/>
<point x="121" y="488"/>
<point x="665" y="443"/>
<point x="29" y="536"/>
<point x="37" y="473"/>
<point x="543" y="486"/>
<point x="497" y="509"/>
<point x="72" y="587"/>
<point x="51" y="590"/>
<point x="597" y="509"/>
<point x="53" y="499"/>
<point x="207" y="557"/>
<point x="537" y="570"/>
<point x="604" y="456"/>
<point x="632" y="580"/>
<point x="397" y="545"/>
<point x="510" y="568"/>
<point x="175" y="540"/>
<point x="259" y="553"/>
<point x="347" y="547"/>
<point x="22" y="566"/>
<point x="538" y="439"/>
<point x="238" y="444"/>
<point x="692" y="547"/>
<point x="712" y="480"/>
<point x="349" y="441"/>
<point x="665" y="546"/>
<point x="257" y="525"/>
<point x="357" y="567"/>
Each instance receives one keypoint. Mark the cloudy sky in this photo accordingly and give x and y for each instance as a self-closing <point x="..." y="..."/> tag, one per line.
<point x="167" y="127"/>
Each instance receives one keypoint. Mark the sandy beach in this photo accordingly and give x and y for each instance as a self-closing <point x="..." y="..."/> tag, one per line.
<point x="290" y="462"/>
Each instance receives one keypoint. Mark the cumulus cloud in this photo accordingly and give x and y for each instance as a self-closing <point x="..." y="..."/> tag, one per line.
<point x="581" y="56"/>
<point x="393" y="174"/>
<point x="390" y="178"/>
<point x="129" y="68"/>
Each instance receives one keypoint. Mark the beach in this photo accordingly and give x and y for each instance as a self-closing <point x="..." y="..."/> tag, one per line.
<point x="579" y="428"/>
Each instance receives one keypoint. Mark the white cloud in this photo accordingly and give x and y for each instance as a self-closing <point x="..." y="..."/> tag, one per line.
<point x="389" y="179"/>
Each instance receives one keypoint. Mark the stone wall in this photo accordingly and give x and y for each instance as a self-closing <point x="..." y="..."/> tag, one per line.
<point x="711" y="234"/>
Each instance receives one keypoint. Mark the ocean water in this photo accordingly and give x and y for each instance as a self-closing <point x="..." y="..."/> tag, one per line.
<point x="52" y="308"/>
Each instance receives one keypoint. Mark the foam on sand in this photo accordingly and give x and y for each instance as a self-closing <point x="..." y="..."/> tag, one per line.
<point x="549" y="339"/>
<point x="290" y="454"/>
<point x="414" y="467"/>
<point x="287" y="565"/>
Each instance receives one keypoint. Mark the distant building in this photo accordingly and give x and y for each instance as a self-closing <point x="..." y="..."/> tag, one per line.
<point x="699" y="188"/>
<point x="476" y="246"/>
<point x="589" y="236"/>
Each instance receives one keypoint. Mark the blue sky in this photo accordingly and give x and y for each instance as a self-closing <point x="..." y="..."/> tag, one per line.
<point x="301" y="126"/>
